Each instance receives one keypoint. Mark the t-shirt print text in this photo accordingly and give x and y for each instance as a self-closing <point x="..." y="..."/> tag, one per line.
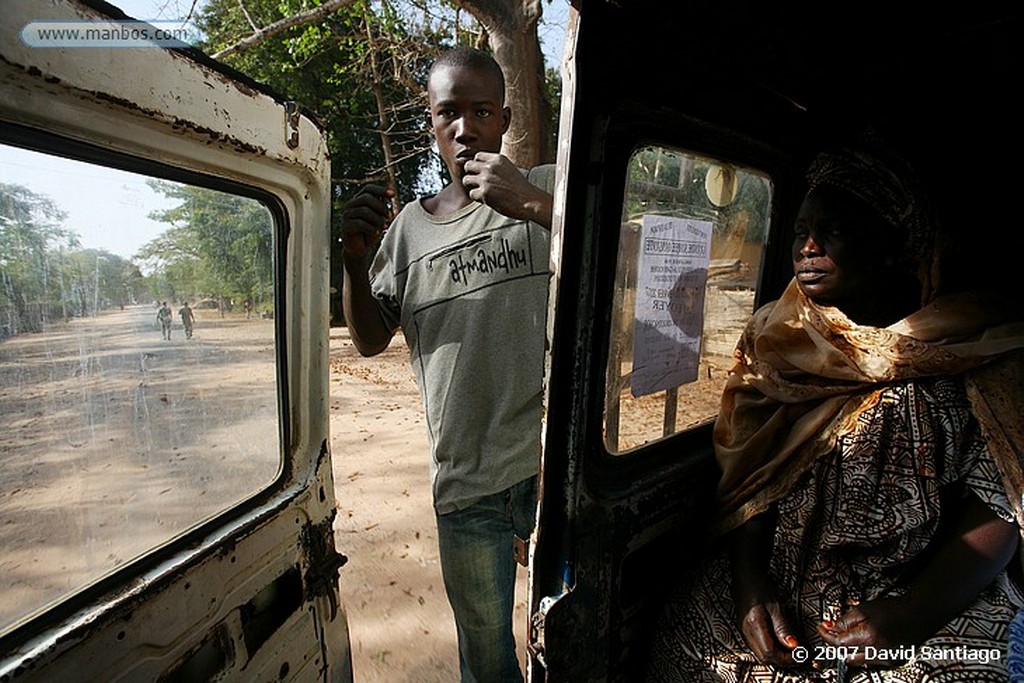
<point x="482" y="261"/>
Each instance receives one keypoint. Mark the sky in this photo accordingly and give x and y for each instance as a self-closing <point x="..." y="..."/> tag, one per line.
<point x="110" y="209"/>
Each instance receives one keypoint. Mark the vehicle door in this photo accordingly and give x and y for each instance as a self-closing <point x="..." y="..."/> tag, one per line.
<point x="684" y="134"/>
<point x="167" y="500"/>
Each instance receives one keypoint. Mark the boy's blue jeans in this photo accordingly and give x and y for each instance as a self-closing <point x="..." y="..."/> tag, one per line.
<point x="476" y="546"/>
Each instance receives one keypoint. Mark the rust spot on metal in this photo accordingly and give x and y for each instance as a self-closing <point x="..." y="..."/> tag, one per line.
<point x="178" y="123"/>
<point x="123" y="103"/>
<point x="212" y="136"/>
<point x="292" y="117"/>
<point x="323" y="562"/>
<point x="321" y="457"/>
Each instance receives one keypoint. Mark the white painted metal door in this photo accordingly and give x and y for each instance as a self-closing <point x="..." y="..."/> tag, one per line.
<point x="166" y="500"/>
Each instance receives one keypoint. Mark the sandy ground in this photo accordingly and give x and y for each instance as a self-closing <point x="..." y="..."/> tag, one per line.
<point x="114" y="440"/>
<point x="401" y="626"/>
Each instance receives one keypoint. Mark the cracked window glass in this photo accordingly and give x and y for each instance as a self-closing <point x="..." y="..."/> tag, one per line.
<point x="138" y="383"/>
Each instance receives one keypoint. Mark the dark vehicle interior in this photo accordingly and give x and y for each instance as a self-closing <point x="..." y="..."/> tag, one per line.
<point x="761" y="86"/>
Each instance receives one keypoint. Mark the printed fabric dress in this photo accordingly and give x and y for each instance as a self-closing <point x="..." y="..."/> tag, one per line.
<point x="852" y="530"/>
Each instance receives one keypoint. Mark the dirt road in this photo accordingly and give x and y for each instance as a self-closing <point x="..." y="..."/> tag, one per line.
<point x="115" y="440"/>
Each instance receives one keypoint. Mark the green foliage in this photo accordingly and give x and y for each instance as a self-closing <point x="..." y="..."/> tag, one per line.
<point x="553" y="85"/>
<point x="326" y="66"/>
<point x="95" y="279"/>
<point x="29" y="226"/>
<point x="361" y="71"/>
<point x="667" y="182"/>
<point x="218" y="245"/>
<point x="44" y="275"/>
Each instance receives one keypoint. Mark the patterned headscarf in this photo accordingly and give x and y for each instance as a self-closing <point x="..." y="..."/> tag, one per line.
<point x="877" y="175"/>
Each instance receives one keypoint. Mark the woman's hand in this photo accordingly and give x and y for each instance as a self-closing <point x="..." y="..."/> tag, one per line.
<point x="762" y="617"/>
<point x="885" y="624"/>
<point x="768" y="633"/>
<point x="975" y="548"/>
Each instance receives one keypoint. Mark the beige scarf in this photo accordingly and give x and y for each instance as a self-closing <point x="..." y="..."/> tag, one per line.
<point x="805" y="372"/>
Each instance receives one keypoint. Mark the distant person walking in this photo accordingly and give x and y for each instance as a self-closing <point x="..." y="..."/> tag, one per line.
<point x="163" y="316"/>
<point x="188" y="319"/>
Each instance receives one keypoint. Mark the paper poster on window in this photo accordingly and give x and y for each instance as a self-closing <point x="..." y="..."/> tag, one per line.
<point x="671" y="276"/>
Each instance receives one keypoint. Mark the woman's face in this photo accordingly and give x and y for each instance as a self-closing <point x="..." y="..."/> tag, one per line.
<point x="842" y="250"/>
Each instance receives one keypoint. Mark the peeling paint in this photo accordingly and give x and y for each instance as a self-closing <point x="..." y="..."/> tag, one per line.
<point x="324" y="562"/>
<point x="179" y="123"/>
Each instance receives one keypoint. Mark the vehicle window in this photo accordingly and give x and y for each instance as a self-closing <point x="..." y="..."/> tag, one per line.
<point x="123" y="425"/>
<point x="693" y="230"/>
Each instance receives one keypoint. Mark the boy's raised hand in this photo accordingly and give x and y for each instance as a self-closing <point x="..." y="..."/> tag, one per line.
<point x="364" y="220"/>
<point x="493" y="180"/>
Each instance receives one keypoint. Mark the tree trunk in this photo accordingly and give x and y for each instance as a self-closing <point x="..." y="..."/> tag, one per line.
<point x="511" y="27"/>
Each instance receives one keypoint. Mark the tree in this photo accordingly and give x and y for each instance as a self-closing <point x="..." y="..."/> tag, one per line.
<point x="375" y="53"/>
<point x="511" y="27"/>
<point x="361" y="68"/>
<point x="358" y="70"/>
<point x="95" y="279"/>
<point x="299" y="19"/>
<point x="30" y="275"/>
<point x="218" y="244"/>
<point x="361" y="71"/>
<point x="45" y="276"/>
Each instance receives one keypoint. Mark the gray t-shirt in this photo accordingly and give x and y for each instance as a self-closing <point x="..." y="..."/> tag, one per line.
<point x="469" y="291"/>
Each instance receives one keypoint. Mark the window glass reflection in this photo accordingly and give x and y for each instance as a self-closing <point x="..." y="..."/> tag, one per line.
<point x="693" y="231"/>
<point x="138" y="391"/>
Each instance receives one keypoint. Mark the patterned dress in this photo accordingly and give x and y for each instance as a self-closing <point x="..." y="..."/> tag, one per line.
<point x="850" y="531"/>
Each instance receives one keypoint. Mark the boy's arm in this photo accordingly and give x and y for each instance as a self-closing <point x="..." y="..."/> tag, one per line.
<point x="362" y="225"/>
<point x="495" y="181"/>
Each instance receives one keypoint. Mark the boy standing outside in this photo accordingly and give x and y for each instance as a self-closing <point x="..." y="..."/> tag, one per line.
<point x="464" y="273"/>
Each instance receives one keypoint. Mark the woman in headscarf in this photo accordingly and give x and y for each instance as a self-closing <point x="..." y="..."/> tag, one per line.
<point x="869" y="442"/>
